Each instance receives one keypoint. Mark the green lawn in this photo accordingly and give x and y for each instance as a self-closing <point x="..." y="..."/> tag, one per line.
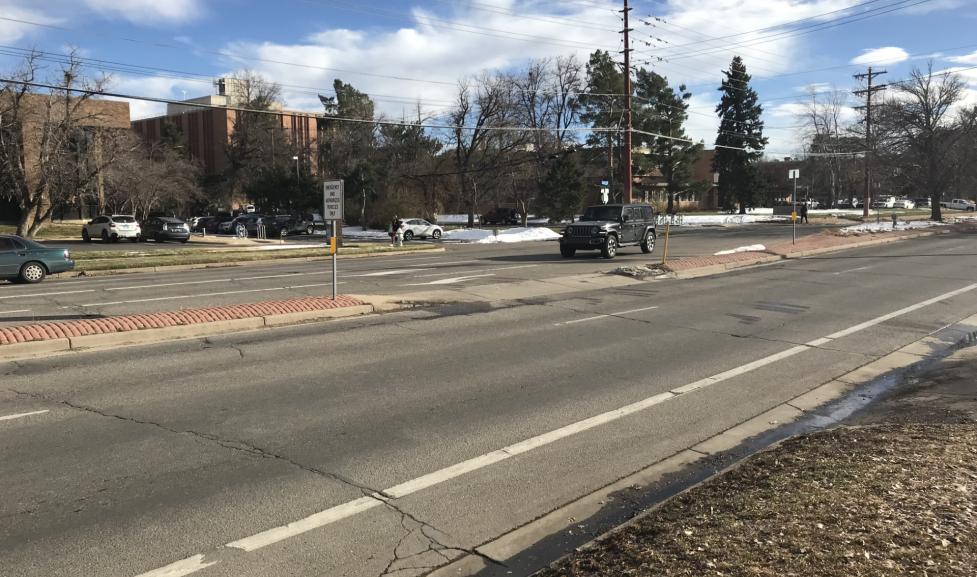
<point x="51" y="230"/>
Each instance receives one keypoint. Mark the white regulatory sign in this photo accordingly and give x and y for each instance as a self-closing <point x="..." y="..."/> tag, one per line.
<point x="793" y="174"/>
<point x="332" y="200"/>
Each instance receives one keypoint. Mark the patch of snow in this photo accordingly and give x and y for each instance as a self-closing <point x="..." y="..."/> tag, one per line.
<point x="453" y="218"/>
<point x="878" y="227"/>
<point x="720" y="219"/>
<point x="750" y="248"/>
<point x="482" y="236"/>
<point x="358" y="232"/>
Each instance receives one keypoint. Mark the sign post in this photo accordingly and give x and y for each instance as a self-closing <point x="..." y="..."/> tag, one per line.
<point x="794" y="174"/>
<point x="332" y="210"/>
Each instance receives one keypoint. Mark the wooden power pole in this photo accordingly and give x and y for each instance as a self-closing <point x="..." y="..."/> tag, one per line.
<point x="867" y="93"/>
<point x="628" y="170"/>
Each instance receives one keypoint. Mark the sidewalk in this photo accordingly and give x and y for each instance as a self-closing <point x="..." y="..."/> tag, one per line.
<point x="894" y="492"/>
<point x="691" y="267"/>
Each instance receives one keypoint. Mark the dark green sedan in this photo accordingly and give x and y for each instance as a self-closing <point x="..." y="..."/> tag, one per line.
<point x="23" y="260"/>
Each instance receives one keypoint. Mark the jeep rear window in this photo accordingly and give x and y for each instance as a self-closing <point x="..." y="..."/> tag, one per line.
<point x="602" y="213"/>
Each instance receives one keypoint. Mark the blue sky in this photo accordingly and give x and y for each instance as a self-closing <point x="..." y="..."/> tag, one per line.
<point x="402" y="52"/>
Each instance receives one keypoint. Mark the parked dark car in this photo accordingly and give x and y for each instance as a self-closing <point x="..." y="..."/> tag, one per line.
<point x="272" y="228"/>
<point x="610" y="226"/>
<point x="164" y="228"/>
<point x="923" y="203"/>
<point x="23" y="260"/>
<point x="200" y="223"/>
<point x="501" y="216"/>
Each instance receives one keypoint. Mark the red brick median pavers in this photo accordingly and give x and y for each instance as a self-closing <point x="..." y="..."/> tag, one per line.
<point x="98" y="326"/>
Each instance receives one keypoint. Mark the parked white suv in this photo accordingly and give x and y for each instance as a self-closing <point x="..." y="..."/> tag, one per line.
<point x="111" y="228"/>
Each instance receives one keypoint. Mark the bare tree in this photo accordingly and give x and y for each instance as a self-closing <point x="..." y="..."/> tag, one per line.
<point x="921" y="126"/>
<point x="146" y="180"/>
<point x="52" y="145"/>
<point x="483" y="104"/>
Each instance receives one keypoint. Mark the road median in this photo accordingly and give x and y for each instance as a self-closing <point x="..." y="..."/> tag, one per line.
<point x="46" y="338"/>
<point x="821" y="243"/>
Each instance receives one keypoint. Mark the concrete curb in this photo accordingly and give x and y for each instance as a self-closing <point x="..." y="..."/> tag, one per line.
<point x="182" y="267"/>
<point x="735" y="265"/>
<point x="511" y="544"/>
<point x="35" y="349"/>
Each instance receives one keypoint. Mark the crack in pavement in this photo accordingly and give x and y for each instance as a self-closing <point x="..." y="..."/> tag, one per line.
<point x="233" y="445"/>
<point x="430" y="543"/>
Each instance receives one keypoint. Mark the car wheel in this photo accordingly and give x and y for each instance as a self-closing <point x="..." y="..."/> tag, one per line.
<point x="105" y="235"/>
<point x="408" y="235"/>
<point x="648" y="244"/>
<point x="567" y="252"/>
<point x="184" y="240"/>
<point x="134" y="239"/>
<point x="609" y="250"/>
<point x="85" y="236"/>
<point x="32" y="272"/>
<point x="310" y="230"/>
<point x="436" y="235"/>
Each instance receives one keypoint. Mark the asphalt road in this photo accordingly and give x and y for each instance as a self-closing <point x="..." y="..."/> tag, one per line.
<point x="256" y="454"/>
<point x="460" y="266"/>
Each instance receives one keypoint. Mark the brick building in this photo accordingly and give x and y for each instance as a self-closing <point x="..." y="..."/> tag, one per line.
<point x="208" y="127"/>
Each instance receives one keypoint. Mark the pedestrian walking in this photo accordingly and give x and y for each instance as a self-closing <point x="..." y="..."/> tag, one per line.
<point x="392" y="230"/>
<point x="399" y="233"/>
<point x="804" y="213"/>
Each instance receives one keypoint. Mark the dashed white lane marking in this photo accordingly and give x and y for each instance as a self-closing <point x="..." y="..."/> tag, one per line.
<point x="852" y="270"/>
<point x="454" y="280"/>
<point x="200" y="295"/>
<point x="36" y="295"/>
<point x="216" y="280"/>
<point x="464" y="272"/>
<point x="608" y="315"/>
<point x="181" y="568"/>
<point x="429" y="480"/>
<point x="22" y="415"/>
<point x="387" y="272"/>
<point x="446" y="263"/>
<point x="15" y="312"/>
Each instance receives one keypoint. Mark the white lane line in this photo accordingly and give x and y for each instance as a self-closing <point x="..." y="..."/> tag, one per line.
<point x="445" y="263"/>
<point x="609" y="315"/>
<point x="22" y="415"/>
<point x="35" y="295"/>
<point x="181" y="568"/>
<point x="200" y="295"/>
<point x="454" y="280"/>
<point x="852" y="270"/>
<point x="462" y="272"/>
<point x="212" y="281"/>
<point x="429" y="480"/>
<point x="900" y="312"/>
<point x="311" y="522"/>
<point x="388" y="272"/>
<point x="15" y="312"/>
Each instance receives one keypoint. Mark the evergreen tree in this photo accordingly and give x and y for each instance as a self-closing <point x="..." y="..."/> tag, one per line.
<point x="740" y="141"/>
<point x="662" y="110"/>
<point x="562" y="190"/>
<point x="603" y="105"/>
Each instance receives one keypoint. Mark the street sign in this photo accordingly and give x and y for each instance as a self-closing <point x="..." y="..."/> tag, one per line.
<point x="332" y="200"/>
<point x="793" y="174"/>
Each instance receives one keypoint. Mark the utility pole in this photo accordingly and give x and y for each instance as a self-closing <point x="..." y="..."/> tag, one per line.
<point x="867" y="92"/>
<point x="628" y="171"/>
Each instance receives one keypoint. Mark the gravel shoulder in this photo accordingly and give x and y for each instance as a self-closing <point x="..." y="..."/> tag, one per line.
<point x="892" y="492"/>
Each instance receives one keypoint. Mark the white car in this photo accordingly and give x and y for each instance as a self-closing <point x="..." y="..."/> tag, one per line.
<point x="420" y="228"/>
<point x="111" y="228"/>
<point x="906" y="203"/>
<point x="884" y="202"/>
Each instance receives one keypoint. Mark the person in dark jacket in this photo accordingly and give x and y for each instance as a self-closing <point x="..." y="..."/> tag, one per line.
<point x="804" y="213"/>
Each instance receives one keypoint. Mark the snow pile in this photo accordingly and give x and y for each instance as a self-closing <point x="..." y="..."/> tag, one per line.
<point x="482" y="236"/>
<point x="720" y="219"/>
<point x="358" y="232"/>
<point x="750" y="248"/>
<point x="877" y="227"/>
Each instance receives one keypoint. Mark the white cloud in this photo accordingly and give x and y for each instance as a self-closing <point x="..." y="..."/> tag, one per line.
<point x="964" y="58"/>
<point x="155" y="87"/>
<point x="149" y="11"/>
<point x="11" y="32"/>
<point x="881" y="56"/>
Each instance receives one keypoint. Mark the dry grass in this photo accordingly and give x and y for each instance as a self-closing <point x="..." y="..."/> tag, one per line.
<point x="877" y="500"/>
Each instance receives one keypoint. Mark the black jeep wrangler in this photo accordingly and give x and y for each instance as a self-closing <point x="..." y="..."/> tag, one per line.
<point x="608" y="227"/>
